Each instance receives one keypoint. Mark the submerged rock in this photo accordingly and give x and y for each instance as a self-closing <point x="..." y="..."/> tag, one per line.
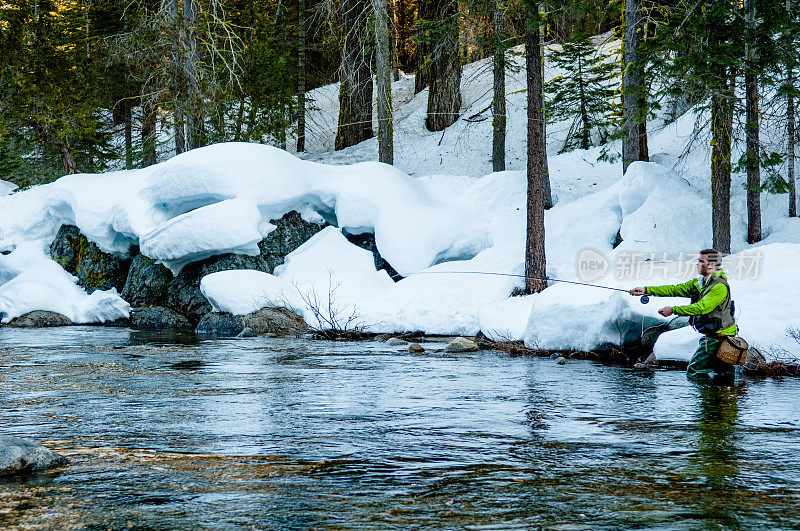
<point x="561" y="360"/>
<point x="264" y="321"/>
<point x="416" y="348"/>
<point x="157" y="318"/>
<point x="247" y="332"/>
<point x="461" y="344"/>
<point x="82" y="258"/>
<point x="396" y="341"/>
<point x="40" y="319"/>
<point x="23" y="456"/>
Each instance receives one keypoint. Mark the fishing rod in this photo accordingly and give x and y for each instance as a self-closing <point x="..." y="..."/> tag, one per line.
<point x="644" y="298"/>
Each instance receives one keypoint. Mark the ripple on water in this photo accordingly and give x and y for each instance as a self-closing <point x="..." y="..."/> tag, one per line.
<point x="170" y="432"/>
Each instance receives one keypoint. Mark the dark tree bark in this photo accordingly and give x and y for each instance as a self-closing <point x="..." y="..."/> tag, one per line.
<point x="548" y="196"/>
<point x="148" y="132"/>
<point x="355" y="74"/>
<point x="790" y="133"/>
<point x="177" y="84"/>
<point x="444" y="71"/>
<point x="67" y="162"/>
<point x="127" y="117"/>
<point x="425" y="14"/>
<point x="753" y="155"/>
<point x="301" y="75"/>
<point x="753" y="158"/>
<point x="499" y="88"/>
<point x="535" y="263"/>
<point x="383" y="67"/>
<point x="721" y="136"/>
<point x="193" y="115"/>
<point x="634" y="102"/>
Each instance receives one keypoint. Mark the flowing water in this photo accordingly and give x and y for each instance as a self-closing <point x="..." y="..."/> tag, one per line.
<point x="167" y="432"/>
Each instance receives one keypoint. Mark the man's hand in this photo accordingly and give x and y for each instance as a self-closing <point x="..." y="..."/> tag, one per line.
<point x="638" y="292"/>
<point x="666" y="311"/>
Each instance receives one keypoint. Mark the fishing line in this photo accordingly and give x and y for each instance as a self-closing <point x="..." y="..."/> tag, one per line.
<point x="644" y="298"/>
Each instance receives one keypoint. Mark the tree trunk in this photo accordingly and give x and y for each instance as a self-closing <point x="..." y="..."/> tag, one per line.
<point x="425" y="11"/>
<point x="193" y="115"/>
<point x="128" y="119"/>
<point x="548" y="196"/>
<point x="535" y="265"/>
<point x="721" y="136"/>
<point x="148" y="132"/>
<point x="383" y="67"/>
<point x="177" y="84"/>
<point x="753" y="160"/>
<point x="67" y="162"/>
<point x="355" y="90"/>
<point x="499" y="88"/>
<point x="790" y="133"/>
<point x="585" y="126"/>
<point x="301" y="75"/>
<point x="634" y="102"/>
<point x="444" y="71"/>
<point x="753" y="155"/>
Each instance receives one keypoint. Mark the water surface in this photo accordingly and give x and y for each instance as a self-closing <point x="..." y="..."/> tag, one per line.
<point x="169" y="432"/>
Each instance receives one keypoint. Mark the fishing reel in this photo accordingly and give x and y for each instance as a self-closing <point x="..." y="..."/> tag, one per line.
<point x="645" y="299"/>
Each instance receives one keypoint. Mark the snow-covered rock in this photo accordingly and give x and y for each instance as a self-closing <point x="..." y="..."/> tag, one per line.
<point x="30" y="281"/>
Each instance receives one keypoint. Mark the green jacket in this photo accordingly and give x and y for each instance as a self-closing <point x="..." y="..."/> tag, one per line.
<point x="692" y="288"/>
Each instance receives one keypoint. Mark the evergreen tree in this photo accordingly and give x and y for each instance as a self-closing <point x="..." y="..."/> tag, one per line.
<point x="50" y="85"/>
<point x="582" y="94"/>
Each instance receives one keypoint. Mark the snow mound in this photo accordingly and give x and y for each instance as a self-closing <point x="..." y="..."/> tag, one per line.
<point x="30" y="281"/>
<point x="245" y="291"/>
<point x="6" y="187"/>
<point x="221" y="198"/>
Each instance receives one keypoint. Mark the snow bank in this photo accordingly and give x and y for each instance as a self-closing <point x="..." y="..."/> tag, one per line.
<point x="30" y="281"/>
<point x="6" y="187"/>
<point x="220" y="199"/>
<point x="245" y="291"/>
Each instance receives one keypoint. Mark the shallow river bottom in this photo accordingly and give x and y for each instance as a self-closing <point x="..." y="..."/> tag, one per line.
<point x="167" y="432"/>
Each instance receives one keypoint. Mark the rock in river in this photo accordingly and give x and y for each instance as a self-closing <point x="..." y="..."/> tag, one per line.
<point x="264" y="321"/>
<point x="157" y="318"/>
<point x="23" y="456"/>
<point x="461" y="344"/>
<point x="40" y="319"/>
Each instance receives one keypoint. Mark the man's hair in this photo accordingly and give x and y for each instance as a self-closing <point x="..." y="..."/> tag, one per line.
<point x="713" y="255"/>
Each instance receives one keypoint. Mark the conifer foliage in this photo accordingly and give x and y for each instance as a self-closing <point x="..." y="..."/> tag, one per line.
<point x="581" y="93"/>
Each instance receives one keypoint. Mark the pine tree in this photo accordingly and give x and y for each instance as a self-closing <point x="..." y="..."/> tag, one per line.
<point x="582" y="94"/>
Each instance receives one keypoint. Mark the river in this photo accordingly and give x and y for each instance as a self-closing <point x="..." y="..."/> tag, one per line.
<point x="167" y="432"/>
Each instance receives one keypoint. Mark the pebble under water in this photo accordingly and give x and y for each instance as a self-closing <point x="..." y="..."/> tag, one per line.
<point x="167" y="432"/>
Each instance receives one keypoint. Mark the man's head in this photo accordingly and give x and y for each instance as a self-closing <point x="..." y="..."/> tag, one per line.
<point x="709" y="261"/>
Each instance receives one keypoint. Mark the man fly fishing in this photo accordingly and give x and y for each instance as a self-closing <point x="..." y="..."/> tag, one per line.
<point x="710" y="313"/>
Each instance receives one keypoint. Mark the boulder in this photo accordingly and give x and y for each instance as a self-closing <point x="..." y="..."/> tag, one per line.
<point x="40" y="319"/>
<point x="561" y="360"/>
<point x="157" y="318"/>
<point x="291" y="231"/>
<point x="184" y="293"/>
<point x="261" y="322"/>
<point x="416" y="348"/>
<point x="82" y="258"/>
<point x="366" y="240"/>
<point x="461" y="344"/>
<point x="147" y="283"/>
<point x="22" y="456"/>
